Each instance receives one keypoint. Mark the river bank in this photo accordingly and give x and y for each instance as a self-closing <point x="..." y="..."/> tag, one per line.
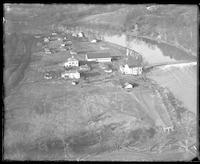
<point x="165" y="42"/>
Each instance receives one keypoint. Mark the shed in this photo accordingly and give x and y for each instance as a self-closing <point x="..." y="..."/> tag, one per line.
<point x="54" y="33"/>
<point x="73" y="53"/>
<point x="128" y="85"/>
<point x="81" y="34"/>
<point x="46" y="40"/>
<point x="93" y="41"/>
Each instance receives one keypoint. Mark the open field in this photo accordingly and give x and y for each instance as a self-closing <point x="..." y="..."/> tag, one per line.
<point x="41" y="114"/>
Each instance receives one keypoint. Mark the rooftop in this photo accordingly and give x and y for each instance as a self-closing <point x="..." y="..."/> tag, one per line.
<point x="133" y="62"/>
<point x="70" y="71"/>
<point x="92" y="55"/>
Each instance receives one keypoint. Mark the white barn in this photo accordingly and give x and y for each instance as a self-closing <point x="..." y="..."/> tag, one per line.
<point x="98" y="57"/>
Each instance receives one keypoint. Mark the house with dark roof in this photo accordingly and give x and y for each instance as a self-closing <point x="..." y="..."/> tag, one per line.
<point x="132" y="66"/>
<point x="71" y="62"/>
<point x="98" y="57"/>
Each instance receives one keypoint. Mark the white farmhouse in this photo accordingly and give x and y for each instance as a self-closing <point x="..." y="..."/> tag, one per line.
<point x="72" y="74"/>
<point x="71" y="62"/>
<point x="98" y="57"/>
<point x="130" y="70"/>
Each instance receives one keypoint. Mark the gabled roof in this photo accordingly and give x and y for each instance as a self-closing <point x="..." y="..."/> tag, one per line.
<point x="133" y="62"/>
<point x="92" y="55"/>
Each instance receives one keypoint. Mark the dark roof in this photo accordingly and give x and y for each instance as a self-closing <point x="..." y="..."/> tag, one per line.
<point x="92" y="55"/>
<point x="133" y="62"/>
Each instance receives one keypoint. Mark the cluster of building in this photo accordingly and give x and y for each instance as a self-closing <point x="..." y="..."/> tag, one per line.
<point x="99" y="57"/>
<point x="72" y="73"/>
<point x="72" y="67"/>
<point x="73" y="64"/>
<point x="63" y="44"/>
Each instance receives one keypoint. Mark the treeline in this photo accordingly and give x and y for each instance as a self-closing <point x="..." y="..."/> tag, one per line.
<point x="173" y="24"/>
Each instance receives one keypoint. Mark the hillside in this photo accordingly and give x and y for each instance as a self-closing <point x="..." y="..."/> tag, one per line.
<point x="175" y="24"/>
<point x="59" y="105"/>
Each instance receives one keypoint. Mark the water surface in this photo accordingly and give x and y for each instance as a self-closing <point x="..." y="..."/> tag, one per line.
<point x="151" y="51"/>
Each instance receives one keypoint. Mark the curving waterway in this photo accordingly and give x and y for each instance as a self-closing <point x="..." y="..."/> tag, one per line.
<point x="180" y="78"/>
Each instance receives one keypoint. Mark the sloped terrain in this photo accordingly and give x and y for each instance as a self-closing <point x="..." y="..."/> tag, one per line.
<point x="52" y="120"/>
<point x="176" y="24"/>
<point x="181" y="80"/>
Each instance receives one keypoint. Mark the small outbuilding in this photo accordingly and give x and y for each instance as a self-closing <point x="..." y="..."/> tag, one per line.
<point x="46" y="40"/>
<point x="128" y="85"/>
<point x="37" y="36"/>
<point x="47" y="51"/>
<point x="108" y="70"/>
<point x="62" y="45"/>
<point x="59" y="39"/>
<point x="74" y="82"/>
<point x="93" y="41"/>
<point x="50" y="75"/>
<point x="54" y="33"/>
<point x="73" y="52"/>
<point x="68" y="42"/>
<point x="74" y="35"/>
<point x="81" y="35"/>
